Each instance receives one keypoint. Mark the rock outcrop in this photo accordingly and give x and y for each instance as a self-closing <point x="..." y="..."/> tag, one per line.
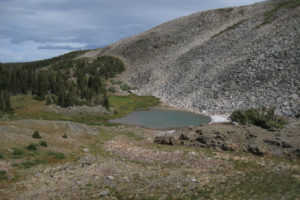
<point x="250" y="139"/>
<point x="219" y="60"/>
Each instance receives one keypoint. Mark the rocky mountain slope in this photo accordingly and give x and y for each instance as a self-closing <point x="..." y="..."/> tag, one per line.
<point x="219" y="60"/>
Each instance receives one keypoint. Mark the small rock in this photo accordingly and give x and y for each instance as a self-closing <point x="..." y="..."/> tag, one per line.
<point x="285" y="145"/>
<point x="194" y="180"/>
<point x="110" y="177"/>
<point x="234" y="123"/>
<point x="169" y="132"/>
<point x="183" y="137"/>
<point x="296" y="153"/>
<point x="256" y="150"/>
<point x="199" y="131"/>
<point x="250" y="136"/>
<point x="86" y="150"/>
<point x="104" y="193"/>
<point x="202" y="139"/>
<point x="272" y="142"/>
<point x="220" y="137"/>
<point x="107" y="182"/>
<point x="169" y="140"/>
<point x="229" y="147"/>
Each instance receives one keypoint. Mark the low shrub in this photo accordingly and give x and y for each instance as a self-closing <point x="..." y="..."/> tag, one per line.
<point x="263" y="117"/>
<point x="31" y="163"/>
<point x="32" y="147"/>
<point x="112" y="89"/>
<point x="125" y="87"/>
<point x="65" y="136"/>
<point x="3" y="174"/>
<point x="36" y="135"/>
<point x="1" y="156"/>
<point x="43" y="144"/>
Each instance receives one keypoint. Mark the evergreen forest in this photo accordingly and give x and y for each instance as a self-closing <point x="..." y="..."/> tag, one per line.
<point x="64" y="80"/>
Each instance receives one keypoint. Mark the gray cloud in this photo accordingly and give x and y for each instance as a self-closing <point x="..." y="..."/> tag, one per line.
<point x="53" y="27"/>
<point x="67" y="47"/>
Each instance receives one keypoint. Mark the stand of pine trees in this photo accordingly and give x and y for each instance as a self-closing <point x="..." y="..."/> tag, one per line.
<point x="5" y="105"/>
<point x="65" y="82"/>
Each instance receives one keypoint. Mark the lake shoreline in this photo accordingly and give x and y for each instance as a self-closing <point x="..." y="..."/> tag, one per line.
<point x="215" y="118"/>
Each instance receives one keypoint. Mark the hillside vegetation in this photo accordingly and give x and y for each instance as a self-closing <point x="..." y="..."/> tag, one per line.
<point x="45" y="62"/>
<point x="63" y="80"/>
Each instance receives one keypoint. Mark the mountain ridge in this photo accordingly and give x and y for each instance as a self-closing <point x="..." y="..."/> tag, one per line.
<point x="220" y="60"/>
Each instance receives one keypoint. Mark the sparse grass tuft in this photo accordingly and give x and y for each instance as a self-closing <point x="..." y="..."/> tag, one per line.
<point x="17" y="153"/>
<point x="133" y="136"/>
<point x="31" y="163"/>
<point x="245" y="165"/>
<point x="57" y="155"/>
<point x="269" y="16"/>
<point x="97" y="147"/>
<point x="229" y="28"/>
<point x="116" y="82"/>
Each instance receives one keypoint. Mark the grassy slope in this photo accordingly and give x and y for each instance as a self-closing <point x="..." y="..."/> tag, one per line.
<point x="27" y="108"/>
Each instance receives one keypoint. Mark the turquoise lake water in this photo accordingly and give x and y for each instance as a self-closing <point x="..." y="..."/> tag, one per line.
<point x="162" y="119"/>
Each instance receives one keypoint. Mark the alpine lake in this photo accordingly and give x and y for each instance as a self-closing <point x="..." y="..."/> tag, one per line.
<point x="157" y="118"/>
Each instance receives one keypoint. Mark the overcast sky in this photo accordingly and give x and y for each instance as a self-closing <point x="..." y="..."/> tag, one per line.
<point x="38" y="29"/>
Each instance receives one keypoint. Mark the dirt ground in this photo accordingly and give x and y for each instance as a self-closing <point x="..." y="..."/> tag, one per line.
<point x="124" y="162"/>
